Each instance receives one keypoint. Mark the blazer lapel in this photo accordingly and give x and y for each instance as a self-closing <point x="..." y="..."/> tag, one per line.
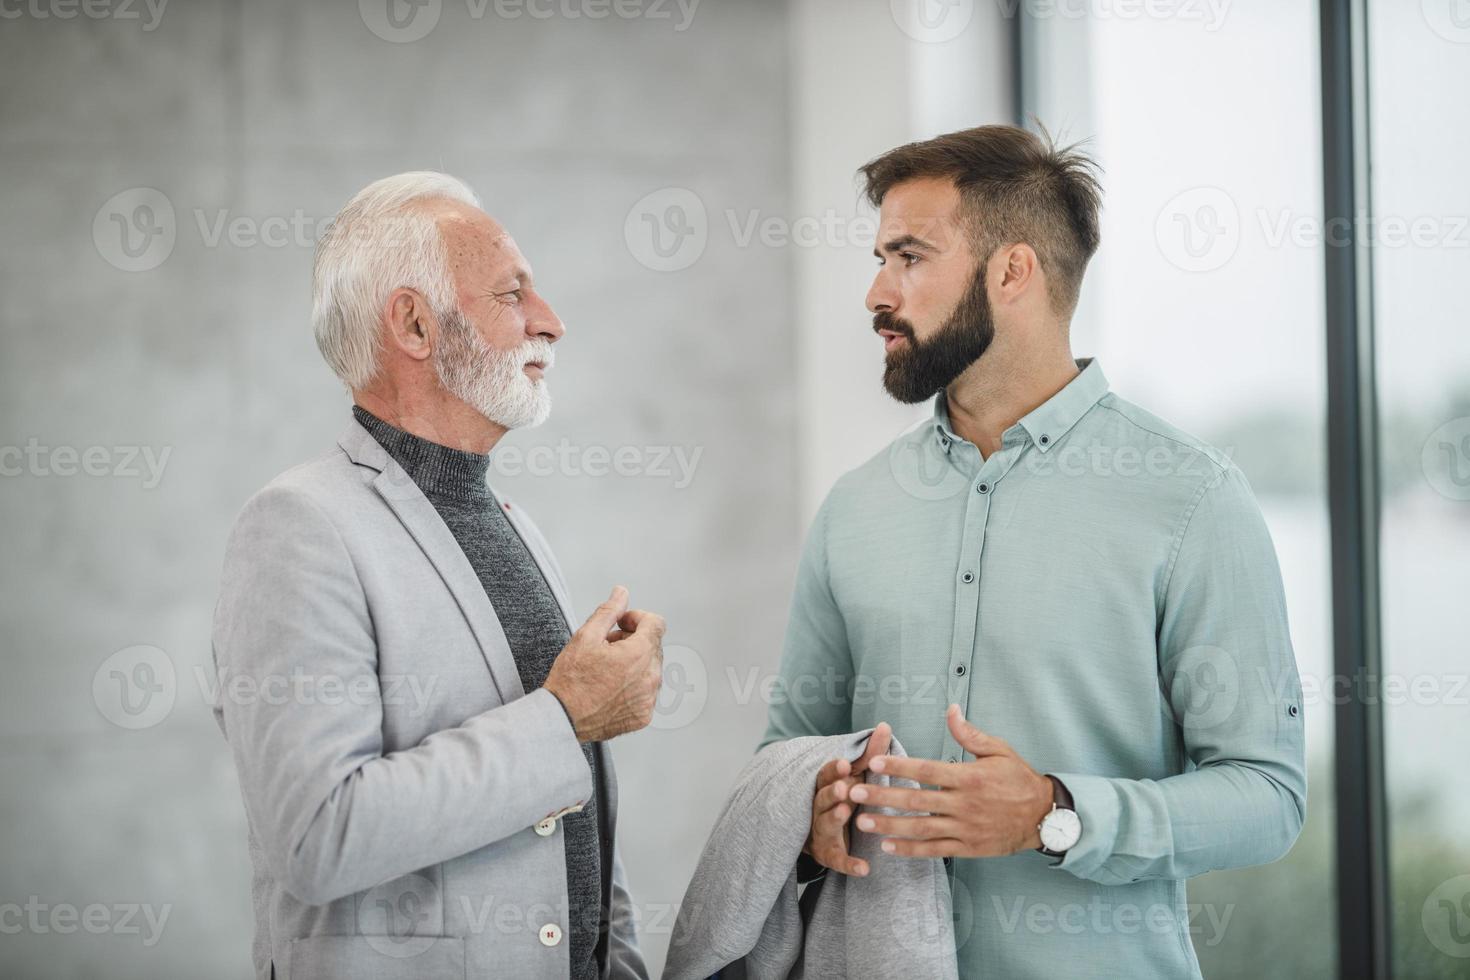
<point x="423" y="522"/>
<point x="552" y="572"/>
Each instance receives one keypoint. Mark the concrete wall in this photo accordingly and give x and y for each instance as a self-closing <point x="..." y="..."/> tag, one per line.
<point x="165" y="177"/>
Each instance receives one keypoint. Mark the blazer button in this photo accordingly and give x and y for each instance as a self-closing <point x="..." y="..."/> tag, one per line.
<point x="546" y="827"/>
<point x="550" y="934"/>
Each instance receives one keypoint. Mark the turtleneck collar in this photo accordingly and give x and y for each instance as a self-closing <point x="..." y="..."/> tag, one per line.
<point x="434" y="468"/>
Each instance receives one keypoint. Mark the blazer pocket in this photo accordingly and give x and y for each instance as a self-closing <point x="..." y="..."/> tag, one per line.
<point x="375" y="958"/>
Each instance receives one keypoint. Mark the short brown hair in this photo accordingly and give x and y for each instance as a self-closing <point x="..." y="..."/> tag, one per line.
<point x="1015" y="187"/>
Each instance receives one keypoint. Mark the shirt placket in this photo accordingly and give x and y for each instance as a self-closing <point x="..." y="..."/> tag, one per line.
<point x="967" y="583"/>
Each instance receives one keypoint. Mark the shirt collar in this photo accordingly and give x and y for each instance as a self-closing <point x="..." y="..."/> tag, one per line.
<point x="1048" y="422"/>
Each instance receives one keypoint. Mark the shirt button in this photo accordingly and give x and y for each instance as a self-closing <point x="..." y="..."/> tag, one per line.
<point x="959" y="670"/>
<point x="1045" y="440"/>
<point x="546" y="827"/>
<point x="967" y="578"/>
<point x="951" y="759"/>
<point x="983" y="488"/>
<point x="550" y="934"/>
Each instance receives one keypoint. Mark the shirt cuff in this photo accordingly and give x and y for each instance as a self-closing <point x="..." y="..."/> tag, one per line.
<point x="1099" y="811"/>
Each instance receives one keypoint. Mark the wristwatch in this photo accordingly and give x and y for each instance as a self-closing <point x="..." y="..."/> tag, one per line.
<point x="1061" y="828"/>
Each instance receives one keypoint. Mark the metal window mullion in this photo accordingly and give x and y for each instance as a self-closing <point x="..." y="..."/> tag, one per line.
<point x="1352" y="488"/>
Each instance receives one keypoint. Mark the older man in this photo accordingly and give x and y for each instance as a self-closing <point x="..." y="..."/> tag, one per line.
<point x="419" y="734"/>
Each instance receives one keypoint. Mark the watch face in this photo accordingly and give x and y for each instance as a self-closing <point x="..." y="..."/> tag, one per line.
<point x="1060" y="830"/>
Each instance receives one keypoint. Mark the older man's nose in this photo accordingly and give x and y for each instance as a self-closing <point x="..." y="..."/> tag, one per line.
<point x="543" y="322"/>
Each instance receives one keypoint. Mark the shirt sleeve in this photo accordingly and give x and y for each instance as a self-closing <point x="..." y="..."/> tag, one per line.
<point x="1230" y="677"/>
<point x="811" y="694"/>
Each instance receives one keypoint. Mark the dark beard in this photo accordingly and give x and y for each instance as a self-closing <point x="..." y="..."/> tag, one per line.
<point x="915" y="372"/>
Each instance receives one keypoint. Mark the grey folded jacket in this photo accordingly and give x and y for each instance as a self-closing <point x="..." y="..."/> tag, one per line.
<point x="741" y="917"/>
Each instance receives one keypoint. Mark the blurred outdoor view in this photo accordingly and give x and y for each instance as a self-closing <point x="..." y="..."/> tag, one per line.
<point x="1205" y="306"/>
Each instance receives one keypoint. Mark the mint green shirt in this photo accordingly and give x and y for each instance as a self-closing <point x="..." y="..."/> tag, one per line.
<point x="1103" y="594"/>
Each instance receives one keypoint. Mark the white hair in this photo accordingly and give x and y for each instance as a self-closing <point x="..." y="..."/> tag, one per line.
<point x="378" y="243"/>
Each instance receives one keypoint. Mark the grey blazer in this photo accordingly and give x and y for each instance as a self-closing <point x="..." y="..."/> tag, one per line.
<point x="745" y="916"/>
<point x="402" y="791"/>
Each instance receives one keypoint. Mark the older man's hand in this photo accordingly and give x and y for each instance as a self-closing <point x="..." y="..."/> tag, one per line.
<point x="608" y="676"/>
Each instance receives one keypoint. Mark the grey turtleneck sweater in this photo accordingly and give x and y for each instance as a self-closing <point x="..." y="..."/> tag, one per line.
<point x="454" y="481"/>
